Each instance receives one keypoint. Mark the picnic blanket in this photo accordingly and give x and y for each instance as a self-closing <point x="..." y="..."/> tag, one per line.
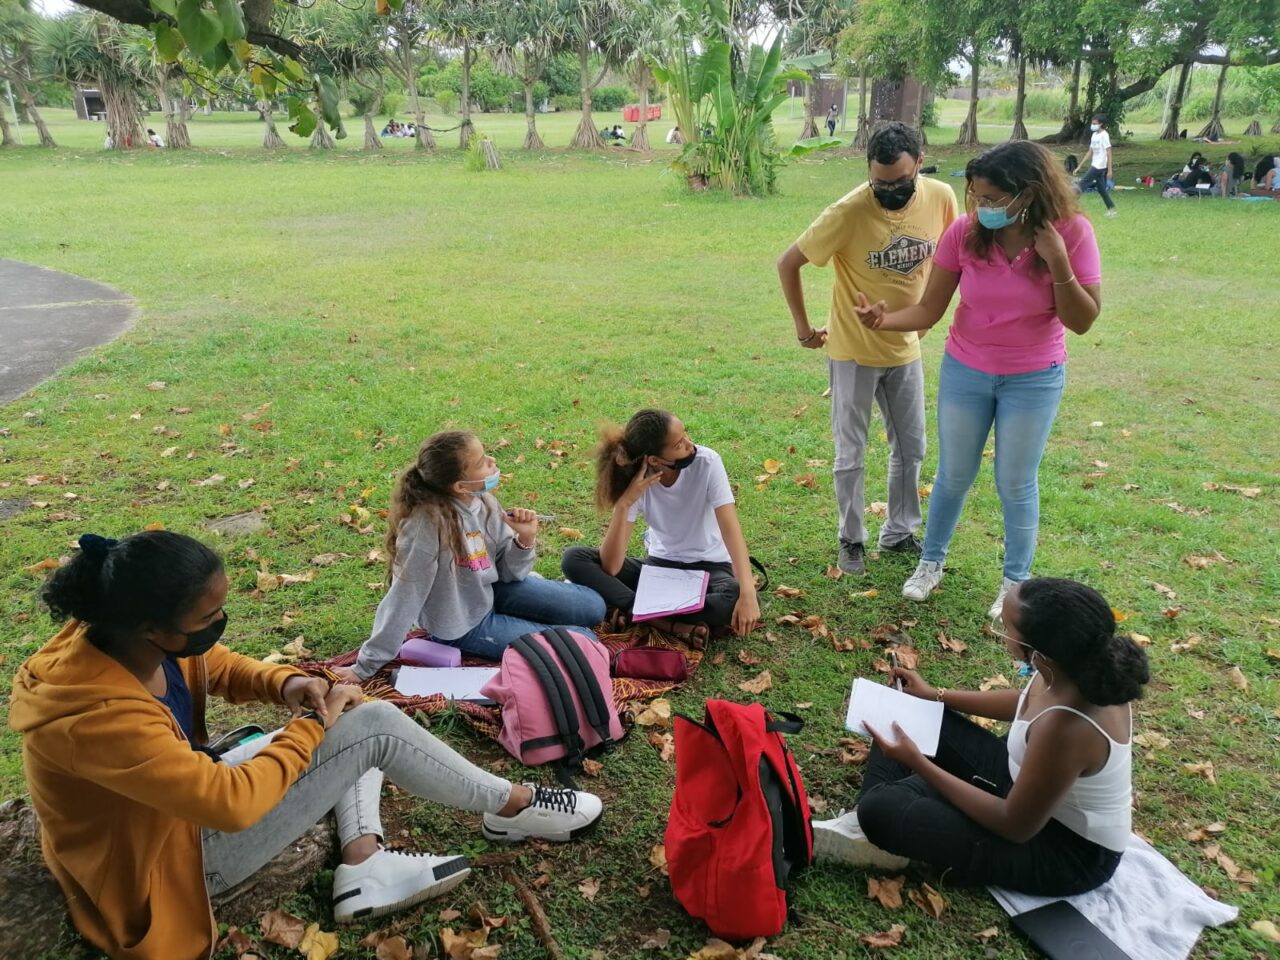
<point x="488" y="720"/>
<point x="1148" y="908"/>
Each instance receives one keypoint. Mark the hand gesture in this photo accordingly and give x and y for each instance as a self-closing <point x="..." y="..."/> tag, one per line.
<point x="912" y="683"/>
<point x="341" y="698"/>
<point x="870" y="314"/>
<point x="901" y="750"/>
<point x="302" y="694"/>
<point x="347" y="675"/>
<point x="1050" y="245"/>
<point x="817" y="341"/>
<point x="524" y="523"/>
<point x="746" y="614"/>
<point x="642" y="481"/>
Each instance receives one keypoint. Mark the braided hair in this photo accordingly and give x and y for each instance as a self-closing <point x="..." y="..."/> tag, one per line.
<point x="1074" y="625"/>
<point x="622" y="452"/>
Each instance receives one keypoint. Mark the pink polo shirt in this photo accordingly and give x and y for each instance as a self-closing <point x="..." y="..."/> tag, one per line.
<point x="1006" y="322"/>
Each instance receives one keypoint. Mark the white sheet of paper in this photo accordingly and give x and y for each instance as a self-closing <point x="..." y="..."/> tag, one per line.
<point x="663" y="590"/>
<point x="882" y="705"/>
<point x="456" y="683"/>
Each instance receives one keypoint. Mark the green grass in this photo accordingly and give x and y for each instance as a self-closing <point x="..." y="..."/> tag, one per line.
<point x="373" y="300"/>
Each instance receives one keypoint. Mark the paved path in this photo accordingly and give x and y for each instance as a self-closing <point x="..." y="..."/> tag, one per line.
<point x="48" y="319"/>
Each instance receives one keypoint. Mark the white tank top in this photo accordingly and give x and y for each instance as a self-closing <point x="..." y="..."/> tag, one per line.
<point x="1098" y="807"/>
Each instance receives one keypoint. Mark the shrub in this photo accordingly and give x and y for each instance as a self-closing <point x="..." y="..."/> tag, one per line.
<point x="608" y="99"/>
<point x="567" y="102"/>
<point x="447" y="101"/>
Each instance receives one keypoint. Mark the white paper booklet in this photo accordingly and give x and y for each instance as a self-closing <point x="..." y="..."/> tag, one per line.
<point x="456" y="683"/>
<point x="667" y="591"/>
<point x="882" y="706"/>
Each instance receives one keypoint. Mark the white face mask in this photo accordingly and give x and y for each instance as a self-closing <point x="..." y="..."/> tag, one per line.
<point x="1095" y="127"/>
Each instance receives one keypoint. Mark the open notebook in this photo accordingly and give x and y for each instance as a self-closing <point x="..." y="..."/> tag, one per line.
<point x="882" y="706"/>
<point x="668" y="592"/>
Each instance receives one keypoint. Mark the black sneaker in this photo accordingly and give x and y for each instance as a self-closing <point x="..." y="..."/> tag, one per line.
<point x="908" y="544"/>
<point x="853" y="558"/>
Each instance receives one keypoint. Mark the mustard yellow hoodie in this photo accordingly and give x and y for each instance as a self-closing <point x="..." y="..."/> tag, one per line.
<point x="121" y="795"/>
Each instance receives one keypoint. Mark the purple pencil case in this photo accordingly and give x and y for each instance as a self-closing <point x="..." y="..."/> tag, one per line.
<point x="422" y="652"/>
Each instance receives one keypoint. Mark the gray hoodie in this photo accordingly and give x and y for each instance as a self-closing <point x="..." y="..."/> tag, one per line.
<point x="442" y="594"/>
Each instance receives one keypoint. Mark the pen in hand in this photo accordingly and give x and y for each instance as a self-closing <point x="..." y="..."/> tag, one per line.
<point x="542" y="517"/>
<point x="893" y="665"/>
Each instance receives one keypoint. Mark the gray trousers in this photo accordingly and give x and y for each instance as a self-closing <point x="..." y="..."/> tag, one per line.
<point x="345" y="776"/>
<point x="900" y="393"/>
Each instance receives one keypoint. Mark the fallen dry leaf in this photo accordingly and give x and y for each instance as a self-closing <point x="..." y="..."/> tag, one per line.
<point x="759" y="684"/>
<point x="1267" y="929"/>
<point x="806" y="480"/>
<point x="715" y="949"/>
<point x="1184" y="646"/>
<point x="44" y="565"/>
<point x="480" y="916"/>
<point x="318" y="945"/>
<point x="656" y="940"/>
<point x="999" y="681"/>
<point x="877" y="509"/>
<point x="656" y="714"/>
<point x="658" y="857"/>
<point x="749" y="659"/>
<point x="592" y="768"/>
<point x="589" y="888"/>
<point x="1201" y="770"/>
<point x="1238" y="679"/>
<point x="772" y="466"/>
<point x="1141" y="639"/>
<point x="868" y="594"/>
<point x="1152" y="741"/>
<point x="834" y="573"/>
<point x="929" y="900"/>
<point x="571" y="533"/>
<point x="987" y="935"/>
<point x="296" y="648"/>
<point x="665" y="743"/>
<point x="237" y="940"/>
<point x="211" y="481"/>
<point x="464" y="945"/>
<point x="156" y="385"/>
<point x="1196" y="562"/>
<point x="1249" y="492"/>
<point x="949" y="643"/>
<point x="1164" y="591"/>
<point x="283" y="928"/>
<point x="1201" y="834"/>
<point x="887" y="890"/>
<point x="854" y="750"/>
<point x="787" y="593"/>
<point x="448" y="916"/>
<point x="287" y="579"/>
<point x="885" y="939"/>
<point x="328" y="559"/>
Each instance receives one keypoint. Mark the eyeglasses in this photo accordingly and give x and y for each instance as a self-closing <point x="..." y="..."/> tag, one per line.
<point x="881" y="185"/>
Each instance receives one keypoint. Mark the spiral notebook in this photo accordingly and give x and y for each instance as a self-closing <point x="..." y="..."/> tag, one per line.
<point x="669" y="592"/>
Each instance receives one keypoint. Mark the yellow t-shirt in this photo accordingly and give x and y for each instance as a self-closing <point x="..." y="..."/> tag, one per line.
<point x="884" y="254"/>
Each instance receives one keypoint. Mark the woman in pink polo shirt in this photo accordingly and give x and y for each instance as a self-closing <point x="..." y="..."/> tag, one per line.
<point x="1027" y="266"/>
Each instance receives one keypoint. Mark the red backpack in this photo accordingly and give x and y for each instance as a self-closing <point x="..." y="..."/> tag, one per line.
<point x="739" y="823"/>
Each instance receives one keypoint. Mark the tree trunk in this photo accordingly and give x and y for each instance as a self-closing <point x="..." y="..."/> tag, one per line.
<point x="174" y="109"/>
<point x="29" y="105"/>
<point x="371" y="139"/>
<point x="586" y="137"/>
<point x="532" y="141"/>
<point x="1074" y="105"/>
<point x="270" y="138"/>
<point x="490" y="152"/>
<point x="1275" y="127"/>
<point x="1213" y="129"/>
<point x="1170" y="131"/>
<point x="968" y="136"/>
<point x="124" y="113"/>
<point x="640" y="136"/>
<point x="1020" y="105"/>
<point x="6" y="132"/>
<point x="810" y="128"/>
<point x="464" y="132"/>
<point x="863" y="133"/>
<point x="322" y="139"/>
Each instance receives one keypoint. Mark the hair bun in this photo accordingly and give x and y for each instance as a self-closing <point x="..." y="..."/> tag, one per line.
<point x="96" y="547"/>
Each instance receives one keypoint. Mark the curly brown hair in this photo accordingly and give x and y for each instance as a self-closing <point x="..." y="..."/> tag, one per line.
<point x="1019" y="167"/>
<point x="426" y="484"/>
<point x="622" y="451"/>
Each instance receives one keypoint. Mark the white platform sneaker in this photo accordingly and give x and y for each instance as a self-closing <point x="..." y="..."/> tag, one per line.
<point x="555" y="815"/>
<point x="390" y="881"/>
<point x="842" y="841"/>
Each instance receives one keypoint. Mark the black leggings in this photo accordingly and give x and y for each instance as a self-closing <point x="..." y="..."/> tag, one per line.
<point x="582" y="565"/>
<point x="1096" y="179"/>
<point x="901" y="813"/>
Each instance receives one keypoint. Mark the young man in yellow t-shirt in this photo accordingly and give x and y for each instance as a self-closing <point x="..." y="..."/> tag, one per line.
<point x="881" y="238"/>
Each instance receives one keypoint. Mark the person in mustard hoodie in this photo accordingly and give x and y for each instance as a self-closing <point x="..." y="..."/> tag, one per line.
<point x="141" y="822"/>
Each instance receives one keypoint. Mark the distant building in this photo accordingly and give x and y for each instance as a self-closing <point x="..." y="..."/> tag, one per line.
<point x="90" y="105"/>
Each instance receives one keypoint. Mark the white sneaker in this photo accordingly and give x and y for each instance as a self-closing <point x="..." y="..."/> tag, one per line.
<point x="921" y="583"/>
<point x="390" y="881"/>
<point x="556" y="815"/>
<point x="997" y="609"/>
<point x="842" y="841"/>
<point x="1113" y="212"/>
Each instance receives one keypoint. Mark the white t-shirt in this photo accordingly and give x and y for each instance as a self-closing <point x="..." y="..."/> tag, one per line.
<point x="1100" y="143"/>
<point x="682" y="517"/>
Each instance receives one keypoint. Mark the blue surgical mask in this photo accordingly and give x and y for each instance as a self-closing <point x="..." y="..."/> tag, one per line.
<point x="996" y="218"/>
<point x="490" y="483"/>
<point x="1095" y="127"/>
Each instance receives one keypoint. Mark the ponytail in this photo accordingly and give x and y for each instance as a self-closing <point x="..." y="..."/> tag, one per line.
<point x="622" y="451"/>
<point x="427" y="484"/>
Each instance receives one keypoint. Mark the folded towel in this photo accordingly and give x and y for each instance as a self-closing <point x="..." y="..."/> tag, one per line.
<point x="1148" y="908"/>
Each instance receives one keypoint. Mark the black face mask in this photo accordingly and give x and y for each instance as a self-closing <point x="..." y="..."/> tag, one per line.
<point x="201" y="641"/>
<point x="683" y="462"/>
<point x="895" y="198"/>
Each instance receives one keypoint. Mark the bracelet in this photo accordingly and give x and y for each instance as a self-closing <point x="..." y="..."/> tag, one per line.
<point x="812" y="334"/>
<point x="1063" y="283"/>
<point x="942" y="692"/>
<point x="516" y="541"/>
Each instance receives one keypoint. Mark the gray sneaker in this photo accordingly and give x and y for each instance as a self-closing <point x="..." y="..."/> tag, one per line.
<point x="842" y="841"/>
<point x="922" y="583"/>
<point x="909" y="544"/>
<point x="853" y="558"/>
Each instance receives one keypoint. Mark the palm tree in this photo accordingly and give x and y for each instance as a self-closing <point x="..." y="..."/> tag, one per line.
<point x="89" y="48"/>
<point x="815" y="28"/>
<point x="18" y="28"/>
<point x="6" y="132"/>
<point x="591" y="25"/>
<point x="525" y="39"/>
<point x="466" y="24"/>
<point x="139" y="54"/>
<point x="409" y="29"/>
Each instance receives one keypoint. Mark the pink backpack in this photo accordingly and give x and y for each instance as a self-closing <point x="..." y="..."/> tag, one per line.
<point x="556" y="699"/>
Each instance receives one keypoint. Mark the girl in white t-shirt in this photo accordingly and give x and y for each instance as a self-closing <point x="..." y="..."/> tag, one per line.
<point x="651" y="467"/>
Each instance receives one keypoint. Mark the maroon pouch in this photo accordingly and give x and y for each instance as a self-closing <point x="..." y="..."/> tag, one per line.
<point x="651" y="663"/>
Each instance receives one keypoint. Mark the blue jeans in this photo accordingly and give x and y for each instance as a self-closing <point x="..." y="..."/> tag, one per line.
<point x="526" y="606"/>
<point x="1022" y="407"/>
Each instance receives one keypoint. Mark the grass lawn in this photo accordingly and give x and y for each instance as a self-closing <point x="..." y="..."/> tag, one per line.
<point x="313" y="316"/>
